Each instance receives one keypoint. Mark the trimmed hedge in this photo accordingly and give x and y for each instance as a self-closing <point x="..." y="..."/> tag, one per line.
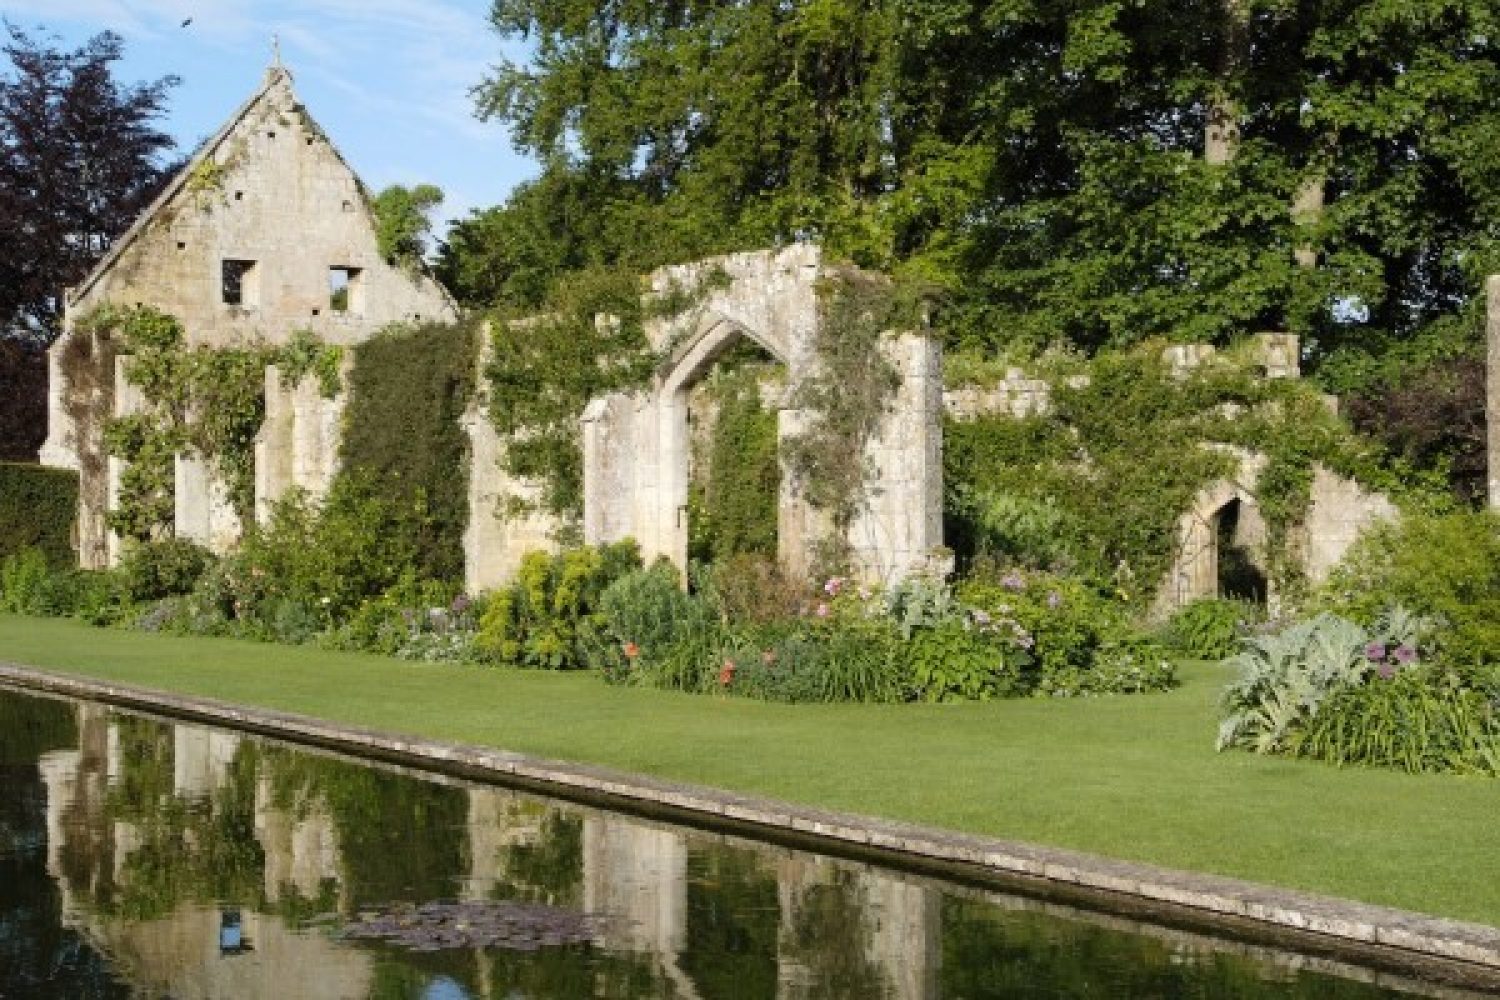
<point x="38" y="508"/>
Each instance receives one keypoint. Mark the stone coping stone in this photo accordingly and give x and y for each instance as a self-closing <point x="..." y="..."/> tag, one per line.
<point x="1353" y="923"/>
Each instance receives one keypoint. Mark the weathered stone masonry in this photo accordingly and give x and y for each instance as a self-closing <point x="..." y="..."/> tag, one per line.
<point x="247" y="245"/>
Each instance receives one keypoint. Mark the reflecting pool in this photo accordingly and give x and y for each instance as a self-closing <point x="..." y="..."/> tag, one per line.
<point x="144" y="858"/>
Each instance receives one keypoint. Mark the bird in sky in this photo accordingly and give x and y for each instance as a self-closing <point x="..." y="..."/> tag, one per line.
<point x="187" y="22"/>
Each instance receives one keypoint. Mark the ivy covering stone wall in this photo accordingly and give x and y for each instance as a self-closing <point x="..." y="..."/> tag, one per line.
<point x="409" y="388"/>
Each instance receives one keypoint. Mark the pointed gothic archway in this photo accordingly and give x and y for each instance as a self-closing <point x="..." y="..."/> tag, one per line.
<point x="636" y="445"/>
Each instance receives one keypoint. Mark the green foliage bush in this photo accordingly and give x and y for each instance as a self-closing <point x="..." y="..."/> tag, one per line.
<point x="1329" y="688"/>
<point x="536" y="621"/>
<point x="409" y="388"/>
<point x="327" y="557"/>
<point x="643" y="618"/>
<point x="38" y="509"/>
<point x="1420" y="720"/>
<point x="1210" y="629"/>
<point x="1446" y="566"/>
<point x="150" y="571"/>
<point x="955" y="662"/>
<point x="31" y="585"/>
<point x="1083" y="642"/>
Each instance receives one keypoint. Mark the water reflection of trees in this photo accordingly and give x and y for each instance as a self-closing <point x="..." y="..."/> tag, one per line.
<point x="152" y="830"/>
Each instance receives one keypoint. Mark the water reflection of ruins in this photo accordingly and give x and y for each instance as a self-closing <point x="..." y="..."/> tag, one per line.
<point x="205" y="864"/>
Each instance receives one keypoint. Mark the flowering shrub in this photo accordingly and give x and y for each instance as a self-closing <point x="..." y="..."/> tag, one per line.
<point x="1130" y="665"/>
<point x="1082" y="643"/>
<point x="1327" y="687"/>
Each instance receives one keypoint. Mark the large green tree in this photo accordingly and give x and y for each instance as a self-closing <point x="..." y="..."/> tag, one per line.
<point x="1092" y="171"/>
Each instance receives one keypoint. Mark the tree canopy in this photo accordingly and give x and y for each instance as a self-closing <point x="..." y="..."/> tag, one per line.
<point x="80" y="157"/>
<point x="1088" y="171"/>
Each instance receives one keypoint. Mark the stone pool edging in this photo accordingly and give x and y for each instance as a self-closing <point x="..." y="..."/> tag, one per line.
<point x="1348" y="921"/>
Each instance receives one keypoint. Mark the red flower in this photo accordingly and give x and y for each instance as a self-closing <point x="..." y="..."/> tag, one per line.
<point x="632" y="651"/>
<point x="726" y="673"/>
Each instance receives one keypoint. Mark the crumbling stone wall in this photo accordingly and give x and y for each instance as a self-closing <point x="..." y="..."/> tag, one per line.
<point x="637" y="445"/>
<point x="271" y="192"/>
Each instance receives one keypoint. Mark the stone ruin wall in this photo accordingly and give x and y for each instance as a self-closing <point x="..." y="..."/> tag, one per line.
<point x="1339" y="512"/>
<point x="637" y="445"/>
<point x="269" y="189"/>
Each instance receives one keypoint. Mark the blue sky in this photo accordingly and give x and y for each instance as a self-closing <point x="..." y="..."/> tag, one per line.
<point x="388" y="80"/>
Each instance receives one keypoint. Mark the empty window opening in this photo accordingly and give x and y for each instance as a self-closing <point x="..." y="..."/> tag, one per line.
<point x="238" y="283"/>
<point x="348" y="205"/>
<point x="345" y="289"/>
<point x="239" y="196"/>
<point x="181" y="245"/>
<point x="270" y="135"/>
<point x="317" y="312"/>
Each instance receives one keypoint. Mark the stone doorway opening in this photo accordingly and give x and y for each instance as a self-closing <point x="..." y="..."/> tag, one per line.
<point x="1239" y="572"/>
<point x="734" y="465"/>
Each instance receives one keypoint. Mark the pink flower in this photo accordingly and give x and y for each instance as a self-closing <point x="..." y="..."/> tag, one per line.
<point x="833" y="586"/>
<point x="822" y="611"/>
<point x="1013" y="581"/>
<point x="726" y="673"/>
<point x="1375" y="652"/>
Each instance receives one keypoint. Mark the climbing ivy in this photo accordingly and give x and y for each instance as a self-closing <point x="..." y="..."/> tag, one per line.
<point x="1096" y="484"/>
<point x="847" y="396"/>
<point x="408" y="390"/>
<point x="204" y="401"/>
<point x="733" y="499"/>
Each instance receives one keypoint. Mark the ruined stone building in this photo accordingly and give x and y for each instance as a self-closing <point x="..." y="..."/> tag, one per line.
<point x="266" y="231"/>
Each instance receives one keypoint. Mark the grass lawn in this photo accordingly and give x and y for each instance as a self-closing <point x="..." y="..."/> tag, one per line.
<point x="1132" y="777"/>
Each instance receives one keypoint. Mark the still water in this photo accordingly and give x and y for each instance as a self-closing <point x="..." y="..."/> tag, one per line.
<point x="142" y="858"/>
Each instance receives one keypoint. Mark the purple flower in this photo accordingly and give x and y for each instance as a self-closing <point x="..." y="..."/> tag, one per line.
<point x="1386" y="670"/>
<point x="1405" y="653"/>
<point x="1013" y="581"/>
<point x="461" y="604"/>
<point x="1054" y="600"/>
<point x="1375" y="652"/>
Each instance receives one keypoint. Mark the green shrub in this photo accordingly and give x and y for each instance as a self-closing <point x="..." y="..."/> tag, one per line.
<point x="1418" y="720"/>
<point x="38" y="509"/>
<point x="1287" y="676"/>
<point x="408" y="390"/>
<point x="1446" y="566"/>
<point x="1210" y="629"/>
<point x="752" y="589"/>
<point x="151" y="571"/>
<point x="1129" y="665"/>
<point x="953" y="662"/>
<point x="814" y="660"/>
<point x="535" y="622"/>
<point x="329" y="557"/>
<point x="643" y="616"/>
<point x="22" y="578"/>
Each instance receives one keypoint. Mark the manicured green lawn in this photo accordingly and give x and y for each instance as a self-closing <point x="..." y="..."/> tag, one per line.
<point x="1134" y="778"/>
